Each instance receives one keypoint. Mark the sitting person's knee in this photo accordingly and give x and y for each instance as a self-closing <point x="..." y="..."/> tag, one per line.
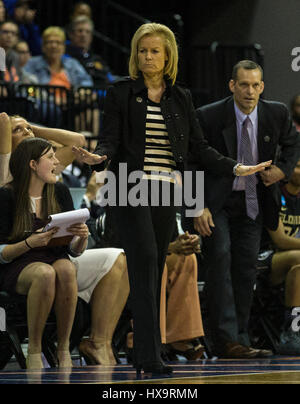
<point x="121" y="263"/>
<point x="45" y="276"/>
<point x="294" y="271"/>
<point x="293" y="258"/>
<point x="65" y="271"/>
<point x="120" y="267"/>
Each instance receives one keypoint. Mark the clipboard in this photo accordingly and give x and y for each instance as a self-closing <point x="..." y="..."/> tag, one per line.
<point x="63" y="221"/>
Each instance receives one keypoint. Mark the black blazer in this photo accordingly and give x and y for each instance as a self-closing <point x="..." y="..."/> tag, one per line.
<point x="123" y="135"/>
<point x="276" y="133"/>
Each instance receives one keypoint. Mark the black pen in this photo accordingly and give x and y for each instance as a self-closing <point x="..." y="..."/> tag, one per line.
<point x="32" y="232"/>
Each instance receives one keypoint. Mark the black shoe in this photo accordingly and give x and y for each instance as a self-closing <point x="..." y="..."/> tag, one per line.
<point x="234" y="350"/>
<point x="156" y="368"/>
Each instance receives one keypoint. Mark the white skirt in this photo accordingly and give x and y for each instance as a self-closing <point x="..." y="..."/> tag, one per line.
<point x="91" y="267"/>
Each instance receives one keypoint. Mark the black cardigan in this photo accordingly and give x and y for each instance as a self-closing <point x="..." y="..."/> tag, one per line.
<point x="123" y="134"/>
<point x="7" y="208"/>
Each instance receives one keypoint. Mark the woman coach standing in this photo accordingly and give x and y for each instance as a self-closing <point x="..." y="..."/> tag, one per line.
<point x="150" y="124"/>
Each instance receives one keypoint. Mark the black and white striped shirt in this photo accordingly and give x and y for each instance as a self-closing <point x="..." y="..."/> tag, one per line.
<point x="158" y="153"/>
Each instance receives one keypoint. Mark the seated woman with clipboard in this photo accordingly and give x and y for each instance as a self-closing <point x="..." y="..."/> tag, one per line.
<point x="45" y="274"/>
<point x="63" y="221"/>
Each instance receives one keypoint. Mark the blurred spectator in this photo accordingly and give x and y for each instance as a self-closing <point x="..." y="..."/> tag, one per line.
<point x="22" y="49"/>
<point x="81" y="36"/>
<point x="24" y="14"/>
<point x="9" y="5"/>
<point x="81" y="8"/>
<point x="9" y="34"/>
<point x="295" y="111"/>
<point x="2" y="12"/>
<point x="52" y="67"/>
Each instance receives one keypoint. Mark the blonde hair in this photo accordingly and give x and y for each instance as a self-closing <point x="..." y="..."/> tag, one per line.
<point x="171" y="68"/>
<point x="54" y="31"/>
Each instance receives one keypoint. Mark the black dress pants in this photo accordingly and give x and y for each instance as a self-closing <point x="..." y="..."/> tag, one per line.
<point x="145" y="233"/>
<point x="230" y="255"/>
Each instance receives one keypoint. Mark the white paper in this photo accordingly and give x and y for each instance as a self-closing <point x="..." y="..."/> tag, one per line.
<point x="65" y="220"/>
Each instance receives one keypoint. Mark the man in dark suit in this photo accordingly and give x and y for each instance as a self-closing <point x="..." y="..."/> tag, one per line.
<point x="248" y="130"/>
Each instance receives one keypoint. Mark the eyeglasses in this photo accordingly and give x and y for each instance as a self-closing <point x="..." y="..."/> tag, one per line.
<point x="83" y="31"/>
<point x="53" y="42"/>
<point x="6" y="32"/>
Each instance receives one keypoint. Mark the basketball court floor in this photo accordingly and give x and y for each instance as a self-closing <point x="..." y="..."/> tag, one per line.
<point x="276" y="370"/>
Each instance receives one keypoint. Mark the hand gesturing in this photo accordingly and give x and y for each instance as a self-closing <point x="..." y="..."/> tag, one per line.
<point x="86" y="157"/>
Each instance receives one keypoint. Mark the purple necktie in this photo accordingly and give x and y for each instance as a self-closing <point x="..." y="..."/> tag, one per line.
<point x="250" y="180"/>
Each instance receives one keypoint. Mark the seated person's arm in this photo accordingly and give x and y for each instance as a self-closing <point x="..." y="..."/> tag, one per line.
<point x="9" y="252"/>
<point x="5" y="147"/>
<point x="80" y="231"/>
<point x="78" y="245"/>
<point x="282" y="240"/>
<point x="5" y="134"/>
<point x="62" y="137"/>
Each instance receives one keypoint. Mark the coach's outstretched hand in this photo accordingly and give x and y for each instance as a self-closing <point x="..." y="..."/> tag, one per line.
<point x="86" y="157"/>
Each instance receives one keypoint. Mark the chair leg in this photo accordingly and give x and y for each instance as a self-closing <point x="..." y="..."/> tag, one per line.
<point x="15" y="346"/>
<point x="5" y="351"/>
<point x="271" y="333"/>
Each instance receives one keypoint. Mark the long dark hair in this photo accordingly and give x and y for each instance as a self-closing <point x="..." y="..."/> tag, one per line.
<point x="27" y="150"/>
